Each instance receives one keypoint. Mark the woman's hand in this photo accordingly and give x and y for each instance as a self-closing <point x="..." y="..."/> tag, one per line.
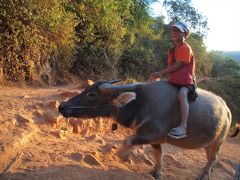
<point x="155" y="75"/>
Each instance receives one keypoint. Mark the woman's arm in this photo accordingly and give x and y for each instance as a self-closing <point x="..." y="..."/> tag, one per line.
<point x="169" y="69"/>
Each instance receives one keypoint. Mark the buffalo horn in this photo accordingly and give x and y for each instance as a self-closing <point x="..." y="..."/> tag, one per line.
<point x="114" y="81"/>
<point x="109" y="88"/>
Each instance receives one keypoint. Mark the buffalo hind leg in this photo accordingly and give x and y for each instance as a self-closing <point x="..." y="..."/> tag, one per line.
<point x="157" y="169"/>
<point x="212" y="156"/>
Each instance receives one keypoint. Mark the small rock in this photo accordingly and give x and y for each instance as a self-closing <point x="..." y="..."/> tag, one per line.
<point x="75" y="124"/>
<point x="77" y="156"/>
<point x="73" y="121"/>
<point x="40" y="104"/>
<point x="91" y="160"/>
<point x="76" y="129"/>
<point x="13" y="122"/>
<point x="96" y="154"/>
<point x="24" y="97"/>
<point x="33" y="107"/>
<point x="55" y="133"/>
<point x="67" y="94"/>
<point x="52" y="117"/>
<point x="92" y="137"/>
<point x="65" y="131"/>
<point x="147" y="160"/>
<point x="86" y="84"/>
<point x="84" y="132"/>
<point x="53" y="104"/>
<point x="130" y="161"/>
<point x="22" y="120"/>
<point x="108" y="148"/>
<point x="100" y="141"/>
<point x="97" y="138"/>
<point x="38" y="113"/>
<point x="38" y="116"/>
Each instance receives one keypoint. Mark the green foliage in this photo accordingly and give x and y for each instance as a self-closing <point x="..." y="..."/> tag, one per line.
<point x="222" y="66"/>
<point x="136" y="63"/>
<point x="94" y="64"/>
<point x="58" y="28"/>
<point x="15" y="23"/>
<point x="101" y="23"/>
<point x="109" y="31"/>
<point x="203" y="63"/>
<point x="184" y="10"/>
<point x="226" y="73"/>
<point x="142" y="56"/>
<point x="101" y="39"/>
<point x="228" y="88"/>
<point x="101" y="30"/>
<point x="33" y="32"/>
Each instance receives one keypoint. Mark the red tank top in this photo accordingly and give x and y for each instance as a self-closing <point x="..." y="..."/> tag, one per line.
<point x="185" y="74"/>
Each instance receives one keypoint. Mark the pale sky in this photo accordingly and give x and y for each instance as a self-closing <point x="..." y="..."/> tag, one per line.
<point x="223" y="22"/>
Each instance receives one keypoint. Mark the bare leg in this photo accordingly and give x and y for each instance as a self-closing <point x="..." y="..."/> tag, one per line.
<point x="157" y="169"/>
<point x="180" y="131"/>
<point x="184" y="106"/>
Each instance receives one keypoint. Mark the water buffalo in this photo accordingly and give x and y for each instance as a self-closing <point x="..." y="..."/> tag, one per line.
<point x="152" y="109"/>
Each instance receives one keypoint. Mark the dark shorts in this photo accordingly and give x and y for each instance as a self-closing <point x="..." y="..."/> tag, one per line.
<point x="192" y="94"/>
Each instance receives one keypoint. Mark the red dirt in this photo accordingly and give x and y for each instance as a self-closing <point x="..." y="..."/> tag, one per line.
<point x="37" y="143"/>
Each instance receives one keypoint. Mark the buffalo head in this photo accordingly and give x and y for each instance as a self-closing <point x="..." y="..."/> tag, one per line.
<point x="98" y="100"/>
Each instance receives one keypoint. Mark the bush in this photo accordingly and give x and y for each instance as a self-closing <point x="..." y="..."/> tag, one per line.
<point x="35" y="35"/>
<point x="136" y="63"/>
<point x="94" y="64"/>
<point x="228" y="89"/>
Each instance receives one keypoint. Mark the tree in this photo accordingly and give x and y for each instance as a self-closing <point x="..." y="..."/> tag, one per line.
<point x="184" y="10"/>
<point x="223" y="66"/>
<point x="203" y="63"/>
<point x="101" y="29"/>
<point x="35" y="34"/>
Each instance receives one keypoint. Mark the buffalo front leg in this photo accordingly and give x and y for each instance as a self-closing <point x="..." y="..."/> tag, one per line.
<point x="157" y="169"/>
<point x="124" y="151"/>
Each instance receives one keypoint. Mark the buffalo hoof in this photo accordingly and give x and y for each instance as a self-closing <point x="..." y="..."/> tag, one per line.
<point x="156" y="174"/>
<point x="204" y="176"/>
<point x="123" y="154"/>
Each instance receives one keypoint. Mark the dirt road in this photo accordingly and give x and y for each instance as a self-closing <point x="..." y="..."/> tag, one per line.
<point x="37" y="143"/>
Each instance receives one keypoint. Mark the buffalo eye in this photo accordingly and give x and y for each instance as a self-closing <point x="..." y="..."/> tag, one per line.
<point x="92" y="94"/>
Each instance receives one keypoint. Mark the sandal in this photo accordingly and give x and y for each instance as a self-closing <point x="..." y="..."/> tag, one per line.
<point x="177" y="134"/>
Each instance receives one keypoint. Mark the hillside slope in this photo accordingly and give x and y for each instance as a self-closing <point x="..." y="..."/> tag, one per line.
<point x="233" y="54"/>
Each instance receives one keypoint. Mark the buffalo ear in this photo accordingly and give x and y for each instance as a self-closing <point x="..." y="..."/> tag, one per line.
<point x="124" y="98"/>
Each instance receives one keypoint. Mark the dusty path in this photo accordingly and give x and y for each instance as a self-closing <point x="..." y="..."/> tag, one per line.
<point x="42" y="146"/>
